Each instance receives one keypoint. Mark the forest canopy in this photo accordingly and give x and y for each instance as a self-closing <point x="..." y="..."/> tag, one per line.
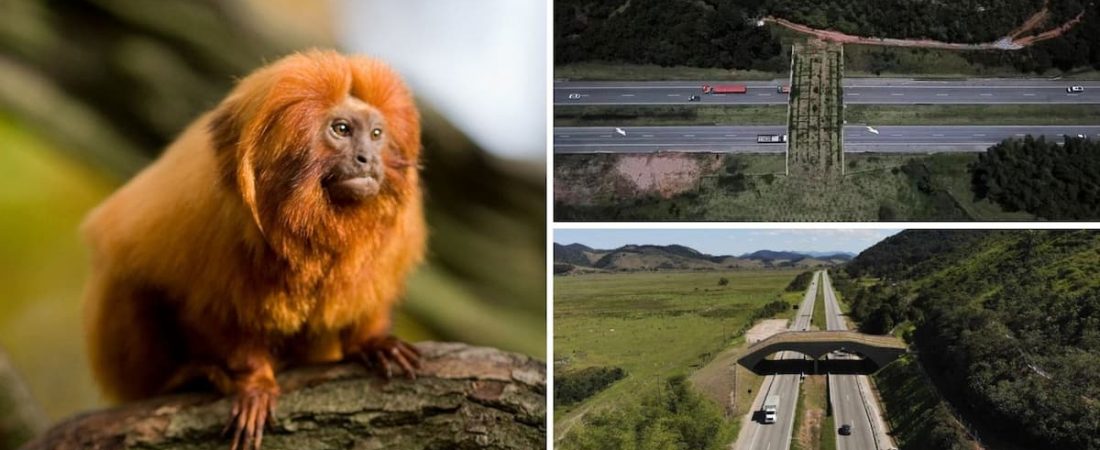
<point x="724" y="33"/>
<point x="1008" y="321"/>
<point x="1045" y="178"/>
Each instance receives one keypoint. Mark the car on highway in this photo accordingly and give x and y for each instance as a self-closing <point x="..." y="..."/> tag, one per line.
<point x="784" y="89"/>
<point x="693" y="98"/>
<point x="1075" y="89"/>
<point x="574" y="96"/>
<point x="845" y="430"/>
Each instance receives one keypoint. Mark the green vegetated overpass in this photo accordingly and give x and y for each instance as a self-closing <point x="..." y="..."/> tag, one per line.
<point x="880" y="350"/>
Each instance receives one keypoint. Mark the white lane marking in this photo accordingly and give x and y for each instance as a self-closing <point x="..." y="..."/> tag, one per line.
<point x="987" y="95"/>
<point x="673" y="95"/>
<point x="564" y="135"/>
<point x="689" y="135"/>
<point x="1019" y="134"/>
<point x="763" y="95"/>
<point x="896" y="135"/>
<point x="647" y="135"/>
<point x="979" y="135"/>
<point x="942" y="95"/>
<point x="731" y="135"/>
<point x="605" y="135"/>
<point x="854" y="94"/>
<point x="627" y="95"/>
<point x="937" y="135"/>
<point x="898" y="94"/>
<point x="1029" y="94"/>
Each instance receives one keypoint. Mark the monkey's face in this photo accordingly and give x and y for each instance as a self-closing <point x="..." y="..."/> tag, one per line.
<point x="354" y="138"/>
<point x="318" y="144"/>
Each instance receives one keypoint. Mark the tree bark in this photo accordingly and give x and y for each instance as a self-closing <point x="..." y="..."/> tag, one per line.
<point x="463" y="398"/>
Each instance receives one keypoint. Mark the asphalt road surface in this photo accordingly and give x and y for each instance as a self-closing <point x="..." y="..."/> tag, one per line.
<point x="849" y="393"/>
<point x="856" y="91"/>
<point x="857" y="138"/>
<point x="777" y="436"/>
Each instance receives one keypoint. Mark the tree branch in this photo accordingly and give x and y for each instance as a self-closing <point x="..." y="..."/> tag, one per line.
<point x="464" y="397"/>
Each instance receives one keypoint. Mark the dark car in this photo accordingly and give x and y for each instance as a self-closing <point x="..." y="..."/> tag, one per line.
<point x="693" y="98"/>
<point x="845" y="430"/>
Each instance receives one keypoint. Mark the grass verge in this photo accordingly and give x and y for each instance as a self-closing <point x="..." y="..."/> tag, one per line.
<point x="810" y="418"/>
<point x="974" y="114"/>
<point x="654" y="115"/>
<point x="828" y="437"/>
<point x="748" y="187"/>
<point x="638" y="72"/>
<point x="819" y="308"/>
<point x="917" y="414"/>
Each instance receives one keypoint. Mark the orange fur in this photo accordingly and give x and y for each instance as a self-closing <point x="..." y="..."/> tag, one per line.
<point x="225" y="252"/>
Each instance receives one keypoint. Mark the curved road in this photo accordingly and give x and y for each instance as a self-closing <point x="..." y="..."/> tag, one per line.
<point x="857" y="138"/>
<point x="856" y="91"/>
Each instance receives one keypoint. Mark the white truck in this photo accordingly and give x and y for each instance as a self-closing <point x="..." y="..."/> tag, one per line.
<point x="771" y="406"/>
<point x="771" y="138"/>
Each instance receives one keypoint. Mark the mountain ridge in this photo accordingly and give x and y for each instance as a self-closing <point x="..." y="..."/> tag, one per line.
<point x="634" y="257"/>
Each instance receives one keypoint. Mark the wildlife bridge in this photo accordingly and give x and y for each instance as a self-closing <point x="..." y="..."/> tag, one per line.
<point x="880" y="350"/>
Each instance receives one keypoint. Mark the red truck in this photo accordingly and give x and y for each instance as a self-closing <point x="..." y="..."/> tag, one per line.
<point x="725" y="89"/>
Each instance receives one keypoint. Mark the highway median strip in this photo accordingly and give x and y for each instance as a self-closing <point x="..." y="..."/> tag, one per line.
<point x="634" y="115"/>
<point x="973" y="114"/>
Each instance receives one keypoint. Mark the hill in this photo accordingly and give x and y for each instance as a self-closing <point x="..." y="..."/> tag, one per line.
<point x="568" y="258"/>
<point x="574" y="254"/>
<point x="1007" y="322"/>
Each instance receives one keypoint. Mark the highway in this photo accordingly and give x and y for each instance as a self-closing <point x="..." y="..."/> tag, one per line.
<point x="857" y="138"/>
<point x="851" y="397"/>
<point x="777" y="436"/>
<point x="856" y="91"/>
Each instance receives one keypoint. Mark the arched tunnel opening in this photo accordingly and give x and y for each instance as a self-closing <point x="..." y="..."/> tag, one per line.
<point x="861" y="366"/>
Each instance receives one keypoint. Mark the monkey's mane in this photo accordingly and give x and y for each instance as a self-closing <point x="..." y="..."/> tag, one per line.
<point x="267" y="136"/>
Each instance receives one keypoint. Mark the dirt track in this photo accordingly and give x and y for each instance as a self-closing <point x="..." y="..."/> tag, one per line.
<point x="1013" y="41"/>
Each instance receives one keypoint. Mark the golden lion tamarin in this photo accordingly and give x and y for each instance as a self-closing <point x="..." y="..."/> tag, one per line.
<point x="277" y="230"/>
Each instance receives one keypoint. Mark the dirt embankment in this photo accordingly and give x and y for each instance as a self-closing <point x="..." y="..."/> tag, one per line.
<point x="663" y="174"/>
<point x="590" y="179"/>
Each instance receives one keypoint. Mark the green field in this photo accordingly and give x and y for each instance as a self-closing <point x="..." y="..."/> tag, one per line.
<point x="973" y="114"/>
<point x="657" y="115"/>
<point x="652" y="324"/>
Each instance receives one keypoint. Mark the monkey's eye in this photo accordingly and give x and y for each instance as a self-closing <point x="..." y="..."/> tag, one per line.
<point x="376" y="133"/>
<point x="341" y="128"/>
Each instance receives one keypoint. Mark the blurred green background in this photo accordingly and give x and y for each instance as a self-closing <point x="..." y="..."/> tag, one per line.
<point x="92" y="90"/>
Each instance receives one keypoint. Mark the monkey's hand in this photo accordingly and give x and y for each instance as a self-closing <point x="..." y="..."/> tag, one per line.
<point x="383" y="353"/>
<point x="251" y="410"/>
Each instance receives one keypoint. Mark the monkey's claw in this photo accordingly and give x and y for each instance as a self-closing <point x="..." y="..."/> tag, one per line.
<point x="384" y="353"/>
<point x="251" y="410"/>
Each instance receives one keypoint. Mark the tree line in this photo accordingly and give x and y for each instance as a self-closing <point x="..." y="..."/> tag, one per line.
<point x="801" y="282"/>
<point x="575" y="386"/>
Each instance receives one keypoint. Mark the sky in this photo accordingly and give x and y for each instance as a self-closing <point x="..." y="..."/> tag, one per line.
<point x="482" y="63"/>
<point x="731" y="242"/>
